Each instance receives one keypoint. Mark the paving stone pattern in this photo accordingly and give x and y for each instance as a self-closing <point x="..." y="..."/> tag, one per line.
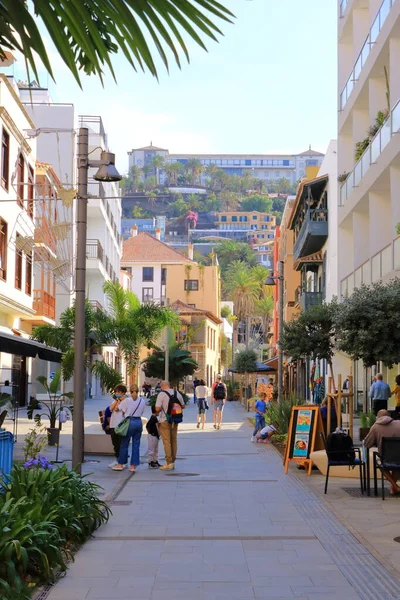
<point x="240" y="529"/>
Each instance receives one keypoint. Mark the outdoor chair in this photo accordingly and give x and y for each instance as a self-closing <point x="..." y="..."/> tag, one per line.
<point x="388" y="459"/>
<point x="336" y="459"/>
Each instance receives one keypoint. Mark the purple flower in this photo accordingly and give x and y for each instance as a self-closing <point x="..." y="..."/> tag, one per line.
<point x="41" y="463"/>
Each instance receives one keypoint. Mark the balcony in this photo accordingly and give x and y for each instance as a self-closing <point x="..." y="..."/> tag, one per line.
<point x="377" y="145"/>
<point x="44" y="304"/>
<point x="372" y="36"/>
<point x="306" y="299"/>
<point x="312" y="235"/>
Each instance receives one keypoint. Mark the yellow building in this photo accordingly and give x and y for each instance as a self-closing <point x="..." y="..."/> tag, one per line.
<point x="291" y="276"/>
<point x="257" y="221"/>
<point x="196" y="285"/>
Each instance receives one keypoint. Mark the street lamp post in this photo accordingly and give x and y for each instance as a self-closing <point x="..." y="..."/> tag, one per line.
<point x="271" y="281"/>
<point x="106" y="172"/>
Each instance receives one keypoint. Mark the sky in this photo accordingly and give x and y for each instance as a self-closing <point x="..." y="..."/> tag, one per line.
<point x="268" y="86"/>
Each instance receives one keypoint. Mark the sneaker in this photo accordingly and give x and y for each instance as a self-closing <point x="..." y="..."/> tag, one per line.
<point x="153" y="465"/>
<point x="157" y="464"/>
<point x="215" y="427"/>
<point x="252" y="439"/>
<point x="113" y="464"/>
<point x="118" y="467"/>
<point x="167" y="467"/>
<point x="198" y="425"/>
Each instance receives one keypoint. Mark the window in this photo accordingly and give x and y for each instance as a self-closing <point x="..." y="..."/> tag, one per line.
<point x="147" y="294"/>
<point x="191" y="285"/>
<point x="20" y="179"/>
<point x="30" y="192"/>
<point x="28" y="274"/>
<point x="254" y="217"/>
<point x="311" y="163"/>
<point x="266" y="218"/>
<point x="243" y="219"/>
<point x="223" y="218"/>
<point x="192" y="305"/>
<point x="3" y="250"/>
<point x="18" y="266"/>
<point x="285" y="163"/>
<point x="148" y="274"/>
<point x="5" y="158"/>
<point x="163" y="275"/>
<point x="234" y="219"/>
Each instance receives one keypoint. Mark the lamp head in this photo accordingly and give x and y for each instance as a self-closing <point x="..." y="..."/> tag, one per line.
<point x="270" y="281"/>
<point x="107" y="170"/>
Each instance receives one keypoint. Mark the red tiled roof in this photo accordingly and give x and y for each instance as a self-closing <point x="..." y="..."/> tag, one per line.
<point x="146" y="248"/>
<point x="184" y="309"/>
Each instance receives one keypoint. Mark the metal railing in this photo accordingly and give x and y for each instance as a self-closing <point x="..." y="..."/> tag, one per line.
<point x="96" y="305"/>
<point x="311" y="216"/>
<point x="390" y="127"/>
<point x="94" y="249"/>
<point x="373" y="33"/>
<point x="377" y="267"/>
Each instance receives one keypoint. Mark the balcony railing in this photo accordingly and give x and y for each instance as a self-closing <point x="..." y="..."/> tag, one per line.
<point x="389" y="128"/>
<point x="373" y="33"/>
<point x="377" y="267"/>
<point x="312" y="234"/>
<point x="94" y="250"/>
<point x="44" y="304"/>
<point x="306" y="299"/>
<point x="96" y="305"/>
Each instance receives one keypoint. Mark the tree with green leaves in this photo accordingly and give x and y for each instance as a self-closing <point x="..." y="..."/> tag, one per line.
<point x="88" y="35"/>
<point x="172" y="170"/>
<point x="257" y="202"/>
<point x="229" y="251"/>
<point x="245" y="361"/>
<point x="368" y="325"/>
<point x="194" y="169"/>
<point x="181" y="364"/>
<point x="311" y="335"/>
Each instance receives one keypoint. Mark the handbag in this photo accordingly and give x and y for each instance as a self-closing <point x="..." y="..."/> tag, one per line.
<point x="122" y="428"/>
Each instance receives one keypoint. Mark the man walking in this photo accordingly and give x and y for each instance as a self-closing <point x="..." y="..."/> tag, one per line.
<point x="169" y="406"/>
<point x="379" y="394"/>
<point x="219" y="394"/>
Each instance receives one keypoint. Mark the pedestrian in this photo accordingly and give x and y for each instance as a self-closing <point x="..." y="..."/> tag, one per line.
<point x="169" y="406"/>
<point x="384" y="426"/>
<point x="379" y="394"/>
<point x="260" y="408"/>
<point x="265" y="435"/>
<point x="219" y="399"/>
<point x="132" y="407"/>
<point x="153" y="438"/>
<point x="115" y="419"/>
<point x="202" y="404"/>
<point x="396" y="391"/>
<point x="196" y="383"/>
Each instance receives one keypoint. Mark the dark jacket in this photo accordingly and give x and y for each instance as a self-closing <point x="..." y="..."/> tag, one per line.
<point x="152" y="426"/>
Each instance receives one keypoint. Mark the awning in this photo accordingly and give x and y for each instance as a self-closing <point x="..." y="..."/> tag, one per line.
<point x="13" y="344"/>
<point x="272" y="362"/>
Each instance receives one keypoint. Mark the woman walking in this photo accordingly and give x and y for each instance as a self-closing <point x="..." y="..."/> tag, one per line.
<point x="115" y="419"/>
<point x="133" y="408"/>
<point x="202" y="406"/>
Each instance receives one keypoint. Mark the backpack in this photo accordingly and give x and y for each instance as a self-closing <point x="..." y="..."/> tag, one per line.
<point x="174" y="412"/>
<point x="341" y="446"/>
<point x="219" y="392"/>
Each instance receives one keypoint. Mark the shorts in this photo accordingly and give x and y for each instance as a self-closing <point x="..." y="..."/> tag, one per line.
<point x="201" y="411"/>
<point x="219" y="405"/>
<point x="271" y="429"/>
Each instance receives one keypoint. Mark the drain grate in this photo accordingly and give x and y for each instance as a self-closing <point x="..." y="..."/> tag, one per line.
<point x="356" y="492"/>
<point x="183" y="474"/>
<point x="121" y="503"/>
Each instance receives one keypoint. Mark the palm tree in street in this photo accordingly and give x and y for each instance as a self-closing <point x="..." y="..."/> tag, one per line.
<point x="89" y="35"/>
<point x="158" y="164"/>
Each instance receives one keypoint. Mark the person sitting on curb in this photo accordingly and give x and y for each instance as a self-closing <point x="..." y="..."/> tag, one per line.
<point x="384" y="426"/>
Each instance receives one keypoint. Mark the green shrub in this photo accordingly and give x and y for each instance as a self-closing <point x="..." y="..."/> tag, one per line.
<point x="279" y="413"/>
<point x="44" y="513"/>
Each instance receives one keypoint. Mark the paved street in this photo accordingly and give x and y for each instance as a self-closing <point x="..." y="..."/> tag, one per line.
<point x="226" y="524"/>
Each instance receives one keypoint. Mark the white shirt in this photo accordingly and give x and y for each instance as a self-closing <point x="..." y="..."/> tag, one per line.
<point x="201" y="391"/>
<point x="116" y="418"/>
<point x="130" y="407"/>
<point x="163" y="401"/>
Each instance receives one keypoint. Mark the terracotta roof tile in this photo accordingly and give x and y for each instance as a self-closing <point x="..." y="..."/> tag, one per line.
<point x="146" y="248"/>
<point x="184" y="309"/>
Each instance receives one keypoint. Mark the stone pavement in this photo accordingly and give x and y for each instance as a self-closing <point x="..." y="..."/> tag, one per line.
<point x="226" y="524"/>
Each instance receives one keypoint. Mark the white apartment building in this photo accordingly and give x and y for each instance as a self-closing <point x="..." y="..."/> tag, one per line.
<point x="56" y="127"/>
<point x="369" y="97"/>
<point x="17" y="248"/>
<point x="268" y="167"/>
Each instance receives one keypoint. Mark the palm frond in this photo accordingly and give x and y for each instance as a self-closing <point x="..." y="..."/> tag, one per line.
<point x="88" y="34"/>
<point x="108" y="376"/>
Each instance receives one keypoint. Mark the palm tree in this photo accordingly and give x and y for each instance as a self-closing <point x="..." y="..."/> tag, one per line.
<point x="158" y="163"/>
<point x="181" y="363"/>
<point x="147" y="170"/>
<point x="172" y="170"/>
<point x="242" y="288"/>
<point x="195" y="168"/>
<point x="89" y="35"/>
<point x="131" y="181"/>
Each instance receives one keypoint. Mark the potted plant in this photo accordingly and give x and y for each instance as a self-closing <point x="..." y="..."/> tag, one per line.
<point x="366" y="422"/>
<point x="52" y="407"/>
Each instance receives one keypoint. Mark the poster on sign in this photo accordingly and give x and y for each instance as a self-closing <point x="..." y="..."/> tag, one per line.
<point x="304" y="436"/>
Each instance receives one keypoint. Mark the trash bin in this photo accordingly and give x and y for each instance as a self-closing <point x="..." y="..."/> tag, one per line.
<point x="6" y="452"/>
